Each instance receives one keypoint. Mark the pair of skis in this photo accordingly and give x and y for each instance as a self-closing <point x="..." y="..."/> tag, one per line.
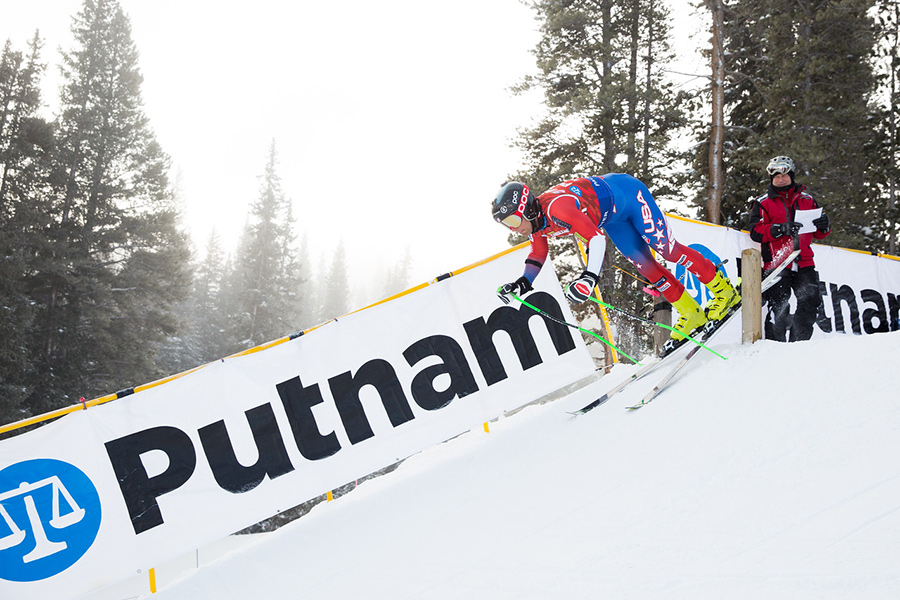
<point x="713" y="328"/>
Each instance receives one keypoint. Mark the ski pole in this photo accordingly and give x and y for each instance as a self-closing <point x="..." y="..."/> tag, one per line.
<point x="652" y="322"/>
<point x="581" y="329"/>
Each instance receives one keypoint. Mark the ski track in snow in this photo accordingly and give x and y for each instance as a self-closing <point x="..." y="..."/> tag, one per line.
<point x="774" y="474"/>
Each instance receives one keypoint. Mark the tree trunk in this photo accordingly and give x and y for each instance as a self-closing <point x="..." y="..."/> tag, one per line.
<point x="892" y="190"/>
<point x="717" y="127"/>
<point x="648" y="85"/>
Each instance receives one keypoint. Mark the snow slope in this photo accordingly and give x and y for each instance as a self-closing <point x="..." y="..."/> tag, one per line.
<point x="774" y="474"/>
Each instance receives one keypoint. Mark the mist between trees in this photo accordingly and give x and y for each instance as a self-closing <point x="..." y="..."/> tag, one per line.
<point x="100" y="289"/>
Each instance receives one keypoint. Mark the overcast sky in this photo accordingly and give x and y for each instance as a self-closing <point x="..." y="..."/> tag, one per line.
<point x="392" y="120"/>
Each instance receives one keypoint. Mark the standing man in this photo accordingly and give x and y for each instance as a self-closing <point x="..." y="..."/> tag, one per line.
<point x="773" y="224"/>
<point x="623" y="208"/>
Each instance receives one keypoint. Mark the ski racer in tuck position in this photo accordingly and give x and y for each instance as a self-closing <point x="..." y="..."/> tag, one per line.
<point x="623" y="208"/>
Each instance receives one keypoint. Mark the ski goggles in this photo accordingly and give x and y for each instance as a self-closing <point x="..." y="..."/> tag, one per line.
<point x="778" y="169"/>
<point x="512" y="221"/>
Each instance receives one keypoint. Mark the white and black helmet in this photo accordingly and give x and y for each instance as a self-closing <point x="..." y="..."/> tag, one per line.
<point x="780" y="165"/>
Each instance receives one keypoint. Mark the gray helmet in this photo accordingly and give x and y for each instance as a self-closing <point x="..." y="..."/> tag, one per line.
<point x="780" y="165"/>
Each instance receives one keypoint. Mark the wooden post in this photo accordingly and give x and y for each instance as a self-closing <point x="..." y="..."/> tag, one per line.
<point x="751" y="298"/>
<point x="662" y="313"/>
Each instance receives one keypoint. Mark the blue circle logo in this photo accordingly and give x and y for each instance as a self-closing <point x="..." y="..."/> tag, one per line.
<point x="49" y="517"/>
<point x="690" y="281"/>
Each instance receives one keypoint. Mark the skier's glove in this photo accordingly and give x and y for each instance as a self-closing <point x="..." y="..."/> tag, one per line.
<point x="579" y="290"/>
<point x="823" y="223"/>
<point x="518" y="287"/>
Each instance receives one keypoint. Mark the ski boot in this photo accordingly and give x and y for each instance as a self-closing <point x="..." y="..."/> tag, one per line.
<point x="690" y="318"/>
<point x="725" y="297"/>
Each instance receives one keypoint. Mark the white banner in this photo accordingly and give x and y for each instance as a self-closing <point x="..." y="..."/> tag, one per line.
<point x="859" y="291"/>
<point x="103" y="493"/>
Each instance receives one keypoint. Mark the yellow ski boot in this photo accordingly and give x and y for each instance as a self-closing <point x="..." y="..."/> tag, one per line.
<point x="725" y="297"/>
<point x="690" y="316"/>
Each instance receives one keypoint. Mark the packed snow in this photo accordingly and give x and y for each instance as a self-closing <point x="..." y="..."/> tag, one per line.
<point x="774" y="474"/>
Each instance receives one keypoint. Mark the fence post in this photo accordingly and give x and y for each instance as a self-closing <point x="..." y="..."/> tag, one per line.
<point x="662" y="313"/>
<point x="751" y="299"/>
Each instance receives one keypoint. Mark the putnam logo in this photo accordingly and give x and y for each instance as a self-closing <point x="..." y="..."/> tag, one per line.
<point x="440" y="373"/>
<point x="49" y="518"/>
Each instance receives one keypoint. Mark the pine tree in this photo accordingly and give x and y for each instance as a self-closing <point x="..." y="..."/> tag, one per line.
<point x="802" y="84"/>
<point x="609" y="109"/>
<point x="203" y="335"/>
<point x="886" y="173"/>
<point x="266" y="278"/>
<point x="336" y="302"/>
<point x="115" y="262"/>
<point x="307" y="302"/>
<point x="396" y="279"/>
<point x="26" y="143"/>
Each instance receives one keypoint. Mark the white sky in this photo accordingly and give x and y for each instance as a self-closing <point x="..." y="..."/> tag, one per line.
<point x="392" y="120"/>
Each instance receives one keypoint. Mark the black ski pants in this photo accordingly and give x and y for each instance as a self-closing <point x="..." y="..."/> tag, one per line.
<point x="804" y="283"/>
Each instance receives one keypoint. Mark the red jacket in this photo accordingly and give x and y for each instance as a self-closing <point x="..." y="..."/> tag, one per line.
<point x="780" y="207"/>
<point x="572" y="208"/>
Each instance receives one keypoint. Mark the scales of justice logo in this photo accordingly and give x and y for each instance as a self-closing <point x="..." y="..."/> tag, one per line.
<point x="49" y="518"/>
<point x="691" y="282"/>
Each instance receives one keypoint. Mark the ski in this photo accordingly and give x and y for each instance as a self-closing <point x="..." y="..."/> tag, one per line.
<point x="715" y="327"/>
<point x="768" y="282"/>
<point x="647" y="368"/>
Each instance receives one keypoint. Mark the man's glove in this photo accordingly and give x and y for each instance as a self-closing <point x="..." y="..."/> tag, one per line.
<point x="791" y="228"/>
<point x="518" y="287"/>
<point x="822" y="223"/>
<point x="579" y="290"/>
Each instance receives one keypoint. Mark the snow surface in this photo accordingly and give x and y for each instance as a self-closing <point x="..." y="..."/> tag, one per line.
<point x="774" y="474"/>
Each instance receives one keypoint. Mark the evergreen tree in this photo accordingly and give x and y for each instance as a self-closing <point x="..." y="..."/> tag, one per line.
<point x="609" y="109"/>
<point x="265" y="280"/>
<point x="336" y="301"/>
<point x="210" y="321"/>
<point x="887" y="171"/>
<point x="307" y="303"/>
<point x="801" y="84"/>
<point x="316" y="294"/>
<point x="202" y="338"/>
<point x="609" y="106"/>
<point x="396" y="279"/>
<point x="26" y="143"/>
<point x="115" y="262"/>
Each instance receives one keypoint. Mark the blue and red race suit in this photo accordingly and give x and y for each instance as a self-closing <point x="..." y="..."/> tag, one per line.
<point x="623" y="208"/>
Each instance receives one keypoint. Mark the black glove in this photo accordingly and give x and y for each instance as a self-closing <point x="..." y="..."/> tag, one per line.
<point x="791" y="228"/>
<point x="579" y="290"/>
<point x="822" y="223"/>
<point x="518" y="287"/>
<point x="778" y="229"/>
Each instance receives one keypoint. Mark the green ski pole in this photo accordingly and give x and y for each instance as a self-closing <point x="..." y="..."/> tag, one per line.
<point x="581" y="329"/>
<point x="652" y="322"/>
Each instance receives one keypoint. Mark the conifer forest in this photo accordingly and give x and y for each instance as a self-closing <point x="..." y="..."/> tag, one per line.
<point x="101" y="289"/>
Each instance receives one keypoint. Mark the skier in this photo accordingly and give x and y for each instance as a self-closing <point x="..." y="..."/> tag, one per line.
<point x="772" y="224"/>
<point x="623" y="208"/>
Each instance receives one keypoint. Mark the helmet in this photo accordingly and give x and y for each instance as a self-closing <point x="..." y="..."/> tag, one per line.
<point x="514" y="202"/>
<point x="780" y="165"/>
